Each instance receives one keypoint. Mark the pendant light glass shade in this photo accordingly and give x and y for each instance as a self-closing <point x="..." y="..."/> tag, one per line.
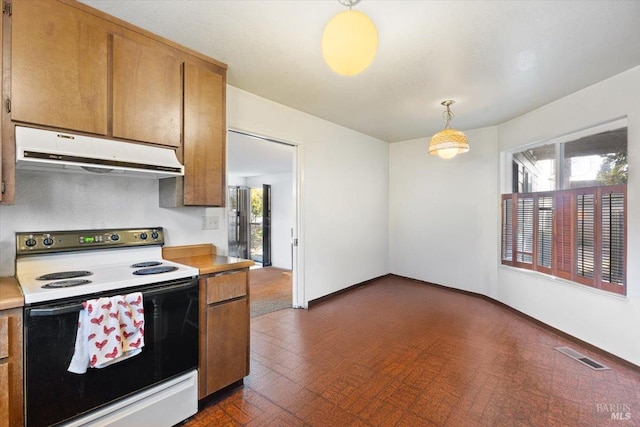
<point x="349" y="42"/>
<point x="448" y="142"/>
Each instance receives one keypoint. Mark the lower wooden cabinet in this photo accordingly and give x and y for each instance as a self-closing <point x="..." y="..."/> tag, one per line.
<point x="11" y="396"/>
<point x="224" y="330"/>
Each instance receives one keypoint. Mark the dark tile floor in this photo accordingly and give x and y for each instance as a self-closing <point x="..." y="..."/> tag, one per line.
<point x="400" y="353"/>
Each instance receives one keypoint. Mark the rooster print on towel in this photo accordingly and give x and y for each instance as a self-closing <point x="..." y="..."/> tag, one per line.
<point x="110" y="329"/>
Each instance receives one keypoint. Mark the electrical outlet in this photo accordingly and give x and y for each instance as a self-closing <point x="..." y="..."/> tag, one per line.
<point x="210" y="222"/>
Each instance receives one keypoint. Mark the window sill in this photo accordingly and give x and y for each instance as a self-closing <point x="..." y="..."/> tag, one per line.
<point x="565" y="282"/>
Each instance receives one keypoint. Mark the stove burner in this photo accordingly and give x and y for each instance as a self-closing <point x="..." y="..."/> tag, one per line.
<point x="66" y="283"/>
<point x="155" y="270"/>
<point x="146" y="264"/>
<point x="64" y="275"/>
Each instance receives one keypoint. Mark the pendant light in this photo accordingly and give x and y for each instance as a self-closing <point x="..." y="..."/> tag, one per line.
<point x="448" y="142"/>
<point x="349" y="41"/>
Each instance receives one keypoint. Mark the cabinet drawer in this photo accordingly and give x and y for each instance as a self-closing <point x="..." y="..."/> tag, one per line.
<point x="4" y="336"/>
<point x="226" y="286"/>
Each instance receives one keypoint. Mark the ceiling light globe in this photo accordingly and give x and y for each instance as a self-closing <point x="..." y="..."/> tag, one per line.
<point x="447" y="153"/>
<point x="448" y="143"/>
<point x="349" y="42"/>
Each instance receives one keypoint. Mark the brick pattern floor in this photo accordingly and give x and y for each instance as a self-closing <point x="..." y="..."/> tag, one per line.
<point x="397" y="352"/>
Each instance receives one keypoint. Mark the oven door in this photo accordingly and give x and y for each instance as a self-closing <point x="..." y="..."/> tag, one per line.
<point x="54" y="395"/>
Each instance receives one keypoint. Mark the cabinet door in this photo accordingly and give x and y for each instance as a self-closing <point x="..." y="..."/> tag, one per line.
<point x="11" y="410"/>
<point x="3" y="145"/>
<point x="4" y="370"/>
<point x="58" y="67"/>
<point x="4" y="393"/>
<point x="227" y="343"/>
<point x="204" y="136"/>
<point x="147" y="93"/>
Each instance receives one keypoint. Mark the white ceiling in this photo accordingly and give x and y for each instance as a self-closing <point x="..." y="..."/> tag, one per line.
<point x="497" y="59"/>
<point x="250" y="156"/>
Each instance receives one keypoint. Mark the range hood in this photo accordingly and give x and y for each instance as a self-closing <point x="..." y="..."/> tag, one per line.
<point x="39" y="149"/>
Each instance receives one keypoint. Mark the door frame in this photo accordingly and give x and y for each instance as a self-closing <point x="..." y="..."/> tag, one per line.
<point x="266" y="226"/>
<point x="298" y="283"/>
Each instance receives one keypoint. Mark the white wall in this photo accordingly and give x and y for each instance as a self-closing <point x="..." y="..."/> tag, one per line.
<point x="345" y="204"/>
<point x="282" y="215"/>
<point x="445" y="217"/>
<point x="235" y="180"/>
<point x="61" y="201"/>
<point x="442" y="224"/>
<point x="345" y="191"/>
<point x="597" y="317"/>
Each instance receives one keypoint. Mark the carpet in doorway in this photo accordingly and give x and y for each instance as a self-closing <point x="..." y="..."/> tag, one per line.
<point x="270" y="290"/>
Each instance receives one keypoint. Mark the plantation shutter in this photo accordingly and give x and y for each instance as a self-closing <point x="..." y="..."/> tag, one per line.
<point x="544" y="231"/>
<point x="524" y="231"/>
<point x="563" y="237"/>
<point x="578" y="235"/>
<point x="612" y="242"/>
<point x="507" y="229"/>
<point x="585" y="237"/>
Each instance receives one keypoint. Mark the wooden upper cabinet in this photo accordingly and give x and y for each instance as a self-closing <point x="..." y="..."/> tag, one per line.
<point x="147" y="93"/>
<point x="74" y="68"/>
<point x="58" y="67"/>
<point x="3" y="144"/>
<point x="204" y="136"/>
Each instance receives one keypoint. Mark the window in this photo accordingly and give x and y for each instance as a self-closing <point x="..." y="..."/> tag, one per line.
<point x="535" y="169"/>
<point x="567" y="213"/>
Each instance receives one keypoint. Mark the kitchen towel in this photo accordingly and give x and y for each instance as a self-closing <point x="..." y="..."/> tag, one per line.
<point x="110" y="329"/>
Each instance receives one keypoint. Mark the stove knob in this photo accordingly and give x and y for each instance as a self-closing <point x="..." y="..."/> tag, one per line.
<point x="48" y="241"/>
<point x="31" y="242"/>
<point x="143" y="236"/>
<point x="154" y="235"/>
<point x="115" y="237"/>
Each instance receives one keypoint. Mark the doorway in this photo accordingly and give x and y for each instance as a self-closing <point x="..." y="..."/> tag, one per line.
<point x="249" y="217"/>
<point x="238" y="202"/>
<point x="263" y="215"/>
<point x="260" y="235"/>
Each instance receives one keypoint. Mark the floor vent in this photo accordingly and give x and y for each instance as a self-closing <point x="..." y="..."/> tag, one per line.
<point x="582" y="358"/>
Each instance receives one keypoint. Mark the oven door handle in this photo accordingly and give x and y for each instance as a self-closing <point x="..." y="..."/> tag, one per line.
<point x="54" y="311"/>
<point x="164" y="290"/>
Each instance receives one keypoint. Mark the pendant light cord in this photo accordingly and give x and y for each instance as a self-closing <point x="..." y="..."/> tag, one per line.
<point x="447" y="115"/>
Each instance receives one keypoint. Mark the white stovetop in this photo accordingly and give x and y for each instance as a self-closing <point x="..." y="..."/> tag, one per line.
<point x="111" y="271"/>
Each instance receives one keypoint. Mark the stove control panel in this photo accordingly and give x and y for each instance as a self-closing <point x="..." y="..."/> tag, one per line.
<point x="81" y="240"/>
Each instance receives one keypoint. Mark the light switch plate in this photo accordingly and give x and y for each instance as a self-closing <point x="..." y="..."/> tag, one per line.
<point x="210" y="222"/>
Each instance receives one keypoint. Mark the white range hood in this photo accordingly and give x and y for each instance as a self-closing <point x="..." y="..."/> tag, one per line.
<point x="39" y="149"/>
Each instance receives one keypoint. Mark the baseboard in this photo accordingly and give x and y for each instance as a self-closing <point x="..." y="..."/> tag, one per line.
<point x="316" y="301"/>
